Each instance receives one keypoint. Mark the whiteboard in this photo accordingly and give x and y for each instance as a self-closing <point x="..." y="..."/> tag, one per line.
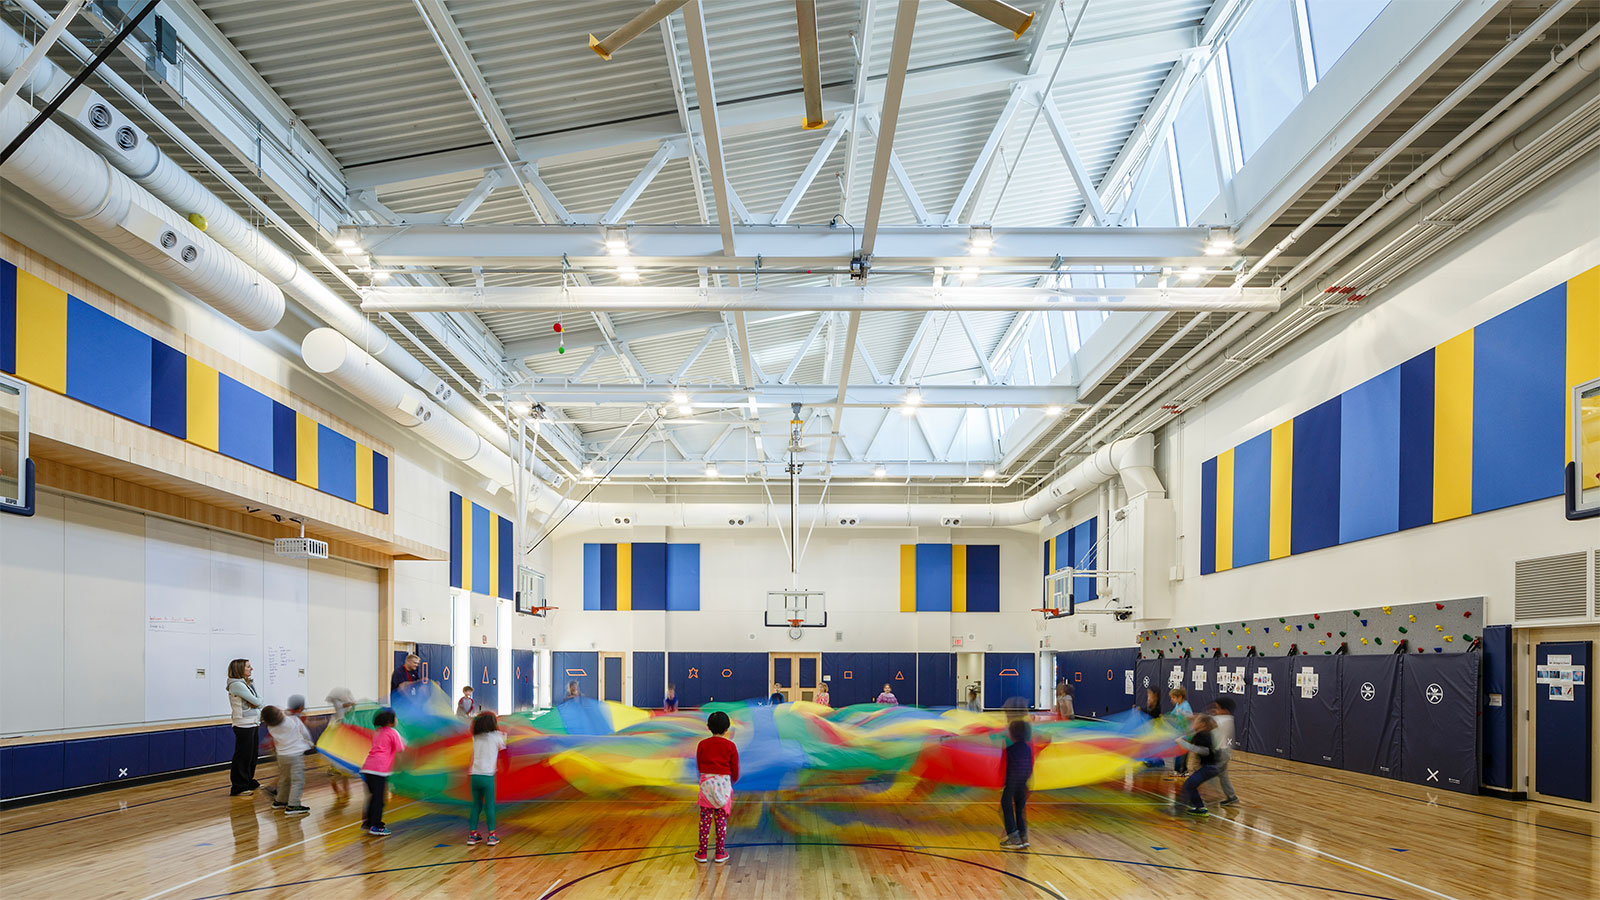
<point x="177" y="602"/>
<point x="281" y="670"/>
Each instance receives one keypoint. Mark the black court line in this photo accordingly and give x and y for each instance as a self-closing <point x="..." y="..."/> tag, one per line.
<point x="118" y="809"/>
<point x="918" y="850"/>
<point x="1476" y="812"/>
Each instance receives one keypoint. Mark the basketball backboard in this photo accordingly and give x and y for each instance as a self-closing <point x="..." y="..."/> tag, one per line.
<point x="797" y="608"/>
<point x="14" y="477"/>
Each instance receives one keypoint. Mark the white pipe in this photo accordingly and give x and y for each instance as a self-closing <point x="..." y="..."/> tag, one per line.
<point x="21" y="73"/>
<point x="81" y="185"/>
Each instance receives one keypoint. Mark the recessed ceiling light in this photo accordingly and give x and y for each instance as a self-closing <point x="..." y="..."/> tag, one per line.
<point x="588" y="471"/>
<point x="1052" y="410"/>
<point x="628" y="273"/>
<point x="711" y="470"/>
<point x="989" y="472"/>
<point x="880" y="472"/>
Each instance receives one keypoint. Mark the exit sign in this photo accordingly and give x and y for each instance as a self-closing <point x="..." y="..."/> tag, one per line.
<point x="955" y="642"/>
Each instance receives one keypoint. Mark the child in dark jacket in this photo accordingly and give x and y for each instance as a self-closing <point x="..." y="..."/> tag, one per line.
<point x="717" y="758"/>
<point x="1204" y="746"/>
<point x="1014" y="797"/>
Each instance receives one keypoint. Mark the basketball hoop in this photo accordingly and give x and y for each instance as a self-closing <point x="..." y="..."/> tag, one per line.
<point x="540" y="610"/>
<point x="796" y="623"/>
<point x="1051" y="613"/>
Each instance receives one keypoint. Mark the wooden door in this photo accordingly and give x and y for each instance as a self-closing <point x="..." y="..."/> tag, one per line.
<point x="611" y="679"/>
<point x="796" y="674"/>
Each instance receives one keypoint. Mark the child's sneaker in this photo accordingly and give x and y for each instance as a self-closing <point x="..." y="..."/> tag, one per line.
<point x="1231" y="801"/>
<point x="474" y="837"/>
<point x="700" y="856"/>
<point x="297" y="810"/>
<point x="1199" y="811"/>
<point x="380" y="831"/>
<point x="278" y="804"/>
<point x="722" y="856"/>
<point x="1009" y="842"/>
<point x="1021" y="844"/>
<point x="493" y="839"/>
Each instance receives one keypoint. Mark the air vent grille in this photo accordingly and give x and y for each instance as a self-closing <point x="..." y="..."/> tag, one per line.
<point x="127" y="138"/>
<point x="1551" y="587"/>
<point x="169" y="239"/>
<point x="100" y="116"/>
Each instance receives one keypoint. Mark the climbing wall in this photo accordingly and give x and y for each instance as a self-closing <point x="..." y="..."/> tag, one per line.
<point x="1449" y="626"/>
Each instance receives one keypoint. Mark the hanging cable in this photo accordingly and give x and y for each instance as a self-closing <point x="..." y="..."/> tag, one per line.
<point x="645" y="432"/>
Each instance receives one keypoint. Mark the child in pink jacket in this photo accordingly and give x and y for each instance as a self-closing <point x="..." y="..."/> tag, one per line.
<point x="375" y="771"/>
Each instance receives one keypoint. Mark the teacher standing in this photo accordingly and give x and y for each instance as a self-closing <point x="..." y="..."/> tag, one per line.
<point x="405" y="675"/>
<point x="245" y="705"/>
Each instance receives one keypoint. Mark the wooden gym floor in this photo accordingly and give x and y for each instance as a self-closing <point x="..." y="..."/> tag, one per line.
<point x="1306" y="832"/>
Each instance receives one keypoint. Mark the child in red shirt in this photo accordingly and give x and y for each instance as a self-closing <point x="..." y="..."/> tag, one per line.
<point x="718" y="761"/>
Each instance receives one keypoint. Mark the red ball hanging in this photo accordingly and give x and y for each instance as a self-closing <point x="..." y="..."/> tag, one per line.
<point x="556" y="327"/>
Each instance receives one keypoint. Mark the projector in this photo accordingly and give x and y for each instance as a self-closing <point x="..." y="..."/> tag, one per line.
<point x="300" y="548"/>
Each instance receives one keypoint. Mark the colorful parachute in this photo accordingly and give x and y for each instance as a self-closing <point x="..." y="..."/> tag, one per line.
<point x="598" y="746"/>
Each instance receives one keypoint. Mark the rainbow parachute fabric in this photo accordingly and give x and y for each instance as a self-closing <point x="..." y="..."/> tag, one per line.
<point x="597" y="747"/>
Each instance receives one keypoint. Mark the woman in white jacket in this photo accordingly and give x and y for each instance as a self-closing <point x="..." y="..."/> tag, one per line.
<point x="246" y="705"/>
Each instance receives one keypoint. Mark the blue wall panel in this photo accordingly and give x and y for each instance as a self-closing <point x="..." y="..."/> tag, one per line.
<point x="165" y="751"/>
<point x="8" y="320"/>
<point x="582" y="666"/>
<point x="1369" y="461"/>
<point x="649" y="678"/>
<point x="683" y="576"/>
<point x="1498" y="663"/>
<point x="169" y="390"/>
<point x="336" y="464"/>
<point x="199" y="747"/>
<point x="244" y="427"/>
<point x="285" y="462"/>
<point x="933" y="577"/>
<point x="983" y="578"/>
<point x="608" y="576"/>
<point x="455" y="541"/>
<point x="849" y="678"/>
<point x="1417" y="378"/>
<point x="31" y="769"/>
<point x="380" y="484"/>
<point x="127" y="756"/>
<point x="1208" y="516"/>
<point x="107" y="362"/>
<point x="649" y="575"/>
<point x="508" y="553"/>
<point x="591" y="576"/>
<point x="84" y="762"/>
<point x="1085" y="555"/>
<point x="435" y="667"/>
<point x="485" y="682"/>
<point x="481" y="522"/>
<point x="936" y="679"/>
<point x="1519" y="403"/>
<point x="1008" y="676"/>
<point x="1252" y="499"/>
<point x="522" y="663"/>
<point x="1315" y="503"/>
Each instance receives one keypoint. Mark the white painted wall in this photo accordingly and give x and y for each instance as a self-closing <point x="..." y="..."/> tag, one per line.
<point x="1546" y="238"/>
<point x="79" y="578"/>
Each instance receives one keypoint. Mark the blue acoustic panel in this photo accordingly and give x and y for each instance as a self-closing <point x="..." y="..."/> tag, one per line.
<point x="31" y="769"/>
<point x="649" y="575"/>
<point x="1008" y="677"/>
<point x="1085" y="556"/>
<point x="244" y="426"/>
<point x="1498" y="661"/>
<point x="522" y="662"/>
<point x="284" y="445"/>
<point x="169" y="390"/>
<point x="782" y="672"/>
<point x="649" y="678"/>
<point x="435" y="667"/>
<point x="983" y="578"/>
<point x="165" y="751"/>
<point x="933" y="577"/>
<point x="380" y="484"/>
<point x="127" y="756"/>
<point x="1563" y="742"/>
<point x="1416" y="441"/>
<point x="683" y="670"/>
<point x="1369" y="458"/>
<point x="591" y="576"/>
<point x="485" y="676"/>
<point x="1316" y="716"/>
<point x="1315" y="503"/>
<point x="849" y="678"/>
<point x="808" y="674"/>
<point x="936" y="679"/>
<point x="1252" y="499"/>
<point x="1146" y="678"/>
<point x="1208" y="516"/>
<point x="199" y="747"/>
<point x="608" y="576"/>
<point x="683" y="576"/>
<point x="456" y="549"/>
<point x="222" y="742"/>
<point x="508" y="555"/>
<point x="481" y="523"/>
<point x="611" y="683"/>
<point x="336" y="464"/>
<point x="582" y="666"/>
<point x="108" y="362"/>
<point x="1370" y="710"/>
<point x="8" y="318"/>
<point x="1519" y="403"/>
<point x="1269" y="685"/>
<point x="1201" y="682"/>
<point x="1439" y="721"/>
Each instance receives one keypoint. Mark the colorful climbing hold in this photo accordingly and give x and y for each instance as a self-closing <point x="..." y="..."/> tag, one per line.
<point x="1438" y="628"/>
<point x="1322" y="642"/>
<point x="1467" y="614"/>
<point x="1438" y="606"/>
<point x="1413" y="618"/>
<point x="1317" y="616"/>
<point x="1275" y="643"/>
<point x="1363" y="623"/>
<point x="1386" y="610"/>
<point x="1341" y="634"/>
<point x="1280" y="621"/>
<point x="1363" y="642"/>
<point x="1402" y="629"/>
<point x="1448" y="638"/>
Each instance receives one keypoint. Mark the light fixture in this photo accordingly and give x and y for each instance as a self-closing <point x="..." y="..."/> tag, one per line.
<point x="588" y="471"/>
<point x="680" y="398"/>
<point x="711" y="470"/>
<point x="1220" y="242"/>
<point x="989" y="473"/>
<point x="879" y="471"/>
<point x="380" y="275"/>
<point x="347" y="239"/>
<point x="968" y="273"/>
<point x="1191" y="274"/>
<point x="628" y="273"/>
<point x="913" y="397"/>
<point x="617" y="241"/>
<point x="908" y="411"/>
<point x="981" y="240"/>
<point x="1052" y="411"/>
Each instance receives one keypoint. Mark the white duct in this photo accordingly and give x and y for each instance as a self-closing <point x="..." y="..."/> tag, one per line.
<point x="80" y="185"/>
<point x="331" y="354"/>
<point x="1131" y="459"/>
<point x="167" y="180"/>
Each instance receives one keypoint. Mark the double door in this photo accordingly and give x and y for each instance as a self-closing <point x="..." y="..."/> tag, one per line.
<point x="796" y="674"/>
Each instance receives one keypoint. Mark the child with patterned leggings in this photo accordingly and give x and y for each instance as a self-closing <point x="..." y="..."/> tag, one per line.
<point x="718" y="762"/>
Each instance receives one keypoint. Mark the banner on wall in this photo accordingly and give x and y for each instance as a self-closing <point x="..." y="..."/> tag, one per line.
<point x="1316" y="705"/>
<point x="1369" y="712"/>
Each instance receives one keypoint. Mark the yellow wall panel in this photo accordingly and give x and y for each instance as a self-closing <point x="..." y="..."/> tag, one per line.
<point x="1452" y="427"/>
<point x="364" y="475"/>
<point x="494" y="551"/>
<point x="41" y="333"/>
<point x="958" y="578"/>
<point x="1282" y="508"/>
<point x="1225" y="511"/>
<point x="1583" y="365"/>
<point x="624" y="576"/>
<point x="305" y="450"/>
<point x="908" y="577"/>
<point x="202" y="404"/>
<point x="466" y="545"/>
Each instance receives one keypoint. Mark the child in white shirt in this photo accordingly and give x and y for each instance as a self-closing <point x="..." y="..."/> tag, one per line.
<point x="291" y="740"/>
<point x="487" y="742"/>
